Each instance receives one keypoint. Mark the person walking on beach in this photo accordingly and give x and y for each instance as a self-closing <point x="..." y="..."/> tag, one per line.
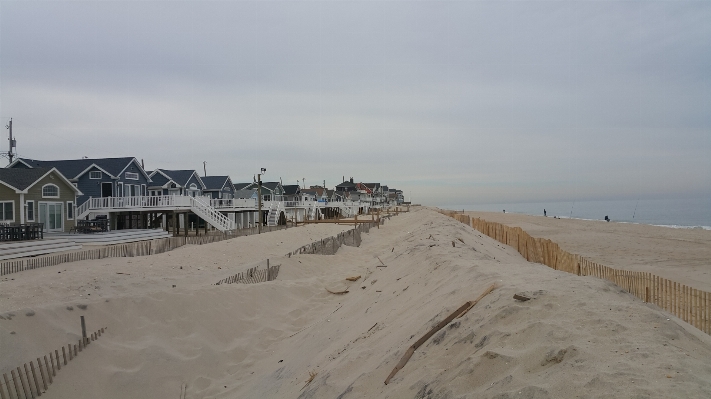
<point x="544" y="213"/>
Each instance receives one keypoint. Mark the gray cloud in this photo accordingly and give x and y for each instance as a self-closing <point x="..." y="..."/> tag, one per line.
<point x="454" y="102"/>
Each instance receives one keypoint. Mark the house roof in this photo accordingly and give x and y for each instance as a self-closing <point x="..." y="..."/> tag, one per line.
<point x="241" y="186"/>
<point x="346" y="184"/>
<point x="215" y="182"/>
<point x="269" y="185"/>
<point x="244" y="193"/>
<point x="22" y="179"/>
<point x="372" y="186"/>
<point x="74" y="168"/>
<point x="159" y="180"/>
<point x="317" y="191"/>
<point x="361" y="186"/>
<point x="291" y="189"/>
<point x="181" y="177"/>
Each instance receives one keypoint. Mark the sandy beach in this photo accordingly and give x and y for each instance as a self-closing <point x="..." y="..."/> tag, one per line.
<point x="682" y="255"/>
<point x="578" y="337"/>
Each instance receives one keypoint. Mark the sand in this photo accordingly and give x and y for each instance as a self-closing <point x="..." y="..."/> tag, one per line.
<point x="682" y="255"/>
<point x="578" y="336"/>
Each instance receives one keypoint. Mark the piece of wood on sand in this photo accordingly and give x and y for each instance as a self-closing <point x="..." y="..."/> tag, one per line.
<point x="354" y="278"/>
<point x="338" y="292"/>
<point x="457" y="313"/>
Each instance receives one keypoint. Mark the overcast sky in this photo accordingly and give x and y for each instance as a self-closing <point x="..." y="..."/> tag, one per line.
<point x="453" y="102"/>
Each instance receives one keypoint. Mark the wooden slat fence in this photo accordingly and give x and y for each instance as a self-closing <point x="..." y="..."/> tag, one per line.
<point x="140" y="248"/>
<point x="687" y="303"/>
<point x="326" y="246"/>
<point x="253" y="275"/>
<point x="32" y="382"/>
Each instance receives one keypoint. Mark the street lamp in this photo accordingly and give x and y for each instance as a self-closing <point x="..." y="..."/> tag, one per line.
<point x="259" y="197"/>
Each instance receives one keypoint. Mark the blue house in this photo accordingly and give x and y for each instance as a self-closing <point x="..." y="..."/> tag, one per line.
<point x="219" y="187"/>
<point x="176" y="182"/>
<point x="100" y="177"/>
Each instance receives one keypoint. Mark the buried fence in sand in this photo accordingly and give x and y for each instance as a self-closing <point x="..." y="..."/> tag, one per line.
<point x="140" y="248"/>
<point x="26" y="383"/>
<point x="326" y="246"/>
<point x="689" y="304"/>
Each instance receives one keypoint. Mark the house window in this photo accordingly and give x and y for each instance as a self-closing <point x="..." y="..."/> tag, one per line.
<point x="119" y="189"/>
<point x="95" y="174"/>
<point x="30" y="211"/>
<point x="7" y="211"/>
<point x="143" y="190"/>
<point x="50" y="191"/>
<point x="70" y="210"/>
<point x="131" y="176"/>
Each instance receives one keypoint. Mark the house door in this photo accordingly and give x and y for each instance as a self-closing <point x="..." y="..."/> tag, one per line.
<point x="106" y="190"/>
<point x="50" y="213"/>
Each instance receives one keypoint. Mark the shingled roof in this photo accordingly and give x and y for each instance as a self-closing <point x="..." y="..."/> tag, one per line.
<point x="21" y="179"/>
<point x="215" y="182"/>
<point x="73" y="168"/>
<point x="180" y="177"/>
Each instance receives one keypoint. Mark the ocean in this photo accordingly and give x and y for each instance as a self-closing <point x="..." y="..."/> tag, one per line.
<point x="677" y="213"/>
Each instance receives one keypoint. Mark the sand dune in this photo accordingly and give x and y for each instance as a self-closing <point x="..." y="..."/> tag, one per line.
<point x="578" y="336"/>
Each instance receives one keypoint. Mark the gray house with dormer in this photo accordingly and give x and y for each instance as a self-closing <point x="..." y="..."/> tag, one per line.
<point x="176" y="182"/>
<point x="99" y="177"/>
<point x="218" y="187"/>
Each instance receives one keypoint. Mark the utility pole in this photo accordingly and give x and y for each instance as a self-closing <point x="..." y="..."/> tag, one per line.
<point x="13" y="142"/>
<point x="259" y="195"/>
<point x="204" y="167"/>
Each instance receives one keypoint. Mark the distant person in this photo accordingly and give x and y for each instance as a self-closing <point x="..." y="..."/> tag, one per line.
<point x="544" y="213"/>
<point x="607" y="219"/>
<point x="504" y="210"/>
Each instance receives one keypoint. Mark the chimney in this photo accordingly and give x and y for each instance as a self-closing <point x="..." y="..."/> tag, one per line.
<point x="344" y="179"/>
<point x="351" y="180"/>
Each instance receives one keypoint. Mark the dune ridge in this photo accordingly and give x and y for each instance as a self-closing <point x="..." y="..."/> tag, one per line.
<point x="578" y="336"/>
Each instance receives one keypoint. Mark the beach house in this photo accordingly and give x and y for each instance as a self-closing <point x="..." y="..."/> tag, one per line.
<point x="38" y="195"/>
<point x="218" y="187"/>
<point x="98" y="177"/>
<point x="176" y="182"/>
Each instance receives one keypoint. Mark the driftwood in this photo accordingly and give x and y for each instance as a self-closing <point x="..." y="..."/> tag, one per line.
<point x="354" y="278"/>
<point x="338" y="292"/>
<point x="312" y="375"/>
<point x="457" y="313"/>
<point x="474" y="302"/>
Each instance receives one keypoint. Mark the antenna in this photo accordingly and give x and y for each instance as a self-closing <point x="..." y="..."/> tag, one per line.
<point x="204" y="167"/>
<point x="13" y="143"/>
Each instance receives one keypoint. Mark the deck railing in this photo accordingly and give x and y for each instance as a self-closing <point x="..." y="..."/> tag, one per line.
<point x="234" y="203"/>
<point x="171" y="201"/>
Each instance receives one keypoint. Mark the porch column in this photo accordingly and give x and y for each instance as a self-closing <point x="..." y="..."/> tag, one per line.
<point x="22" y="208"/>
<point x="185" y="223"/>
<point x="175" y="224"/>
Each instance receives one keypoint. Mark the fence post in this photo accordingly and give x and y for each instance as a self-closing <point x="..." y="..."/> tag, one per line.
<point x="18" y="392"/>
<point x="34" y="377"/>
<point x="83" y="329"/>
<point x="22" y="382"/>
<point x="44" y="380"/>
